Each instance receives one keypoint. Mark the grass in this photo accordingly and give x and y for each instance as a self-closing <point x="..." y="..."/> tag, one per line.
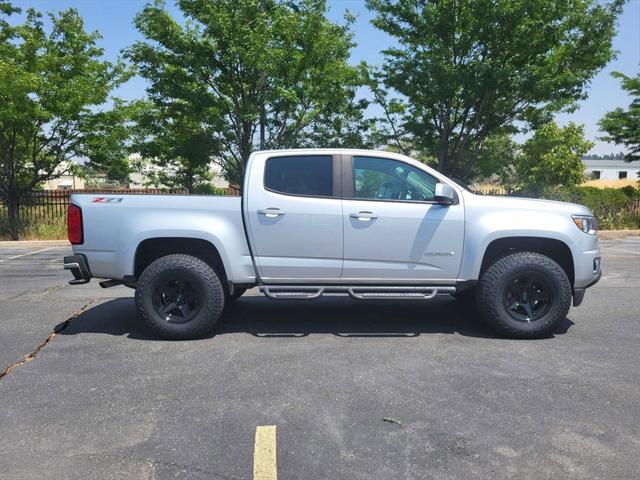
<point x="488" y="188"/>
<point x="611" y="183"/>
<point x="37" y="225"/>
<point x="45" y="231"/>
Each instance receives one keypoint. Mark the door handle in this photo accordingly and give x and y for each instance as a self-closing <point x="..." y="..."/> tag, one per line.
<point x="271" y="212"/>
<point x="364" y="216"/>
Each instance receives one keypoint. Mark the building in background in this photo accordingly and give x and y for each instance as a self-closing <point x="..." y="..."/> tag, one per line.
<point x="142" y="178"/>
<point x="65" y="182"/>
<point x="611" y="169"/>
<point x="70" y="180"/>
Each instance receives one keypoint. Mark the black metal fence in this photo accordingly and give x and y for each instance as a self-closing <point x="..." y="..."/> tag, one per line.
<point x="634" y="207"/>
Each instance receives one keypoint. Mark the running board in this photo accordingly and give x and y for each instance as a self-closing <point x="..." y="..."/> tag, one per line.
<point x="311" y="292"/>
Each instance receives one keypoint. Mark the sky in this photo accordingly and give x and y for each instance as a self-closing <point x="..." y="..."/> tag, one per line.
<point x="114" y="20"/>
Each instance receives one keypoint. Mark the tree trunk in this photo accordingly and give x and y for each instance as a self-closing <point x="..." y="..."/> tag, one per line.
<point x="13" y="208"/>
<point x="263" y="83"/>
<point x="263" y="115"/>
<point x="189" y="182"/>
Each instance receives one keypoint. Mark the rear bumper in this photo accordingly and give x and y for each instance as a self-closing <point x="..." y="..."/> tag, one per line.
<point x="79" y="268"/>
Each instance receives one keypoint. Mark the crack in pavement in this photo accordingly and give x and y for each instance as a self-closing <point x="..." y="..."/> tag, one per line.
<point x="40" y="293"/>
<point x="57" y="329"/>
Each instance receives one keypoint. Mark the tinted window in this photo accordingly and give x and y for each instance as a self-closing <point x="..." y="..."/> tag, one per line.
<point x="384" y="179"/>
<point x="301" y="175"/>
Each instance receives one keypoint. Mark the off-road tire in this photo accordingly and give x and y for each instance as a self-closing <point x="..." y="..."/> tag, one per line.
<point x="494" y="281"/>
<point x="203" y="277"/>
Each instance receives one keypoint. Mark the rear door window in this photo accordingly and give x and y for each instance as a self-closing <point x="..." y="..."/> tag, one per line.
<point x="304" y="175"/>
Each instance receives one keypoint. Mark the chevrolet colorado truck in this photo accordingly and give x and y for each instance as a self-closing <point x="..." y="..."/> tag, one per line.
<point x="369" y="224"/>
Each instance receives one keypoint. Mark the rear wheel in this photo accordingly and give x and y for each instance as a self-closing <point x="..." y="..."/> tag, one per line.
<point x="180" y="297"/>
<point x="524" y="295"/>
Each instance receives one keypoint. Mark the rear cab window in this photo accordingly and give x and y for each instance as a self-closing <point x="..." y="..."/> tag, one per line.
<point x="302" y="175"/>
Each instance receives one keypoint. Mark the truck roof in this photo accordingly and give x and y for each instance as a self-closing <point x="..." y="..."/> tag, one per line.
<point x="350" y="151"/>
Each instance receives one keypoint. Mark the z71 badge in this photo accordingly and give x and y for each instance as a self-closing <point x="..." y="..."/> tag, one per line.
<point x="107" y="200"/>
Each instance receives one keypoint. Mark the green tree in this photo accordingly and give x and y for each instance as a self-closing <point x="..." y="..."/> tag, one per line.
<point x="497" y="153"/>
<point x="178" y="140"/>
<point x="623" y="126"/>
<point x="50" y="84"/>
<point x="107" y="144"/>
<point x="465" y="70"/>
<point x="244" y="75"/>
<point x="552" y="157"/>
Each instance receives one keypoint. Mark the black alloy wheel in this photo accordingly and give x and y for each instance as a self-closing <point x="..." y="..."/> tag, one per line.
<point x="177" y="300"/>
<point x="527" y="297"/>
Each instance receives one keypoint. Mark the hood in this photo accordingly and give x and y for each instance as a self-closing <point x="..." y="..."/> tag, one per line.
<point x="521" y="203"/>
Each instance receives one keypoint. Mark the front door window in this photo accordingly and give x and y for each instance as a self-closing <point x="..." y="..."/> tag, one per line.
<point x="385" y="179"/>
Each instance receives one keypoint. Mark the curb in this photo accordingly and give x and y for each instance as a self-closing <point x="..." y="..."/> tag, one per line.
<point x="34" y="243"/>
<point x="617" y="234"/>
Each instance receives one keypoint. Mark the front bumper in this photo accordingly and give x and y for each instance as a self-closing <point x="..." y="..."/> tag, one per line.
<point x="578" y="293"/>
<point x="79" y="268"/>
<point x="587" y="263"/>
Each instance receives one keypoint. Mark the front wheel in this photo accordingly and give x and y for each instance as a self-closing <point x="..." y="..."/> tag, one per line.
<point x="524" y="295"/>
<point x="180" y="297"/>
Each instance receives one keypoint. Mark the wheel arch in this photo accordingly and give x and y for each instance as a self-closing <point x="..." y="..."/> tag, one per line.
<point x="553" y="248"/>
<point x="150" y="249"/>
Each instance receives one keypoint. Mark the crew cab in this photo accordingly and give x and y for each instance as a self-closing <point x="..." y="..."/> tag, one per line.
<point x="373" y="225"/>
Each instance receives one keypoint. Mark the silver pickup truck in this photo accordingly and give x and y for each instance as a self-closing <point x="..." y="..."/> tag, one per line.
<point x="368" y="224"/>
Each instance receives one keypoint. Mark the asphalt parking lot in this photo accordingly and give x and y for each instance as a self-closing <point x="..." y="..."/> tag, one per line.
<point x="356" y="390"/>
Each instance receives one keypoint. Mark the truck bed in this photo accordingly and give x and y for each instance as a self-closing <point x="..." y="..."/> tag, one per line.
<point x="115" y="224"/>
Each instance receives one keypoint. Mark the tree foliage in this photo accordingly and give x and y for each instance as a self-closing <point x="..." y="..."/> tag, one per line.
<point x="176" y="141"/>
<point x="497" y="154"/>
<point x="552" y="157"/>
<point x="108" y="141"/>
<point x="465" y="70"/>
<point x="50" y="84"/>
<point x="623" y="126"/>
<point x="244" y="75"/>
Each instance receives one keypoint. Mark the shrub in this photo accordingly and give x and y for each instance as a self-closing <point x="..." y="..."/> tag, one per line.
<point x="615" y="208"/>
<point x="631" y="191"/>
<point x="208" y="189"/>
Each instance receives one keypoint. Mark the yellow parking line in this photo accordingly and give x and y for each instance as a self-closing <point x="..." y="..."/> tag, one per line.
<point x="264" y="454"/>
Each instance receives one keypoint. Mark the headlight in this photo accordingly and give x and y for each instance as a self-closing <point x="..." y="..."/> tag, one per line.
<point x="586" y="223"/>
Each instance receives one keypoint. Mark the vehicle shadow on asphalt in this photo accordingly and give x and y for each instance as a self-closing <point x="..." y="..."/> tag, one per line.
<point x="338" y="316"/>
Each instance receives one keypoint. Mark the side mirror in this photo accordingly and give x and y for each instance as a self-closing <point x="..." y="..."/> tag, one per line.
<point x="444" y="194"/>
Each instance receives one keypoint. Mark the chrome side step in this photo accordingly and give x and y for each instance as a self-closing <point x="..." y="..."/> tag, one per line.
<point x="299" y="293"/>
<point x="379" y="293"/>
<point x="360" y="292"/>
